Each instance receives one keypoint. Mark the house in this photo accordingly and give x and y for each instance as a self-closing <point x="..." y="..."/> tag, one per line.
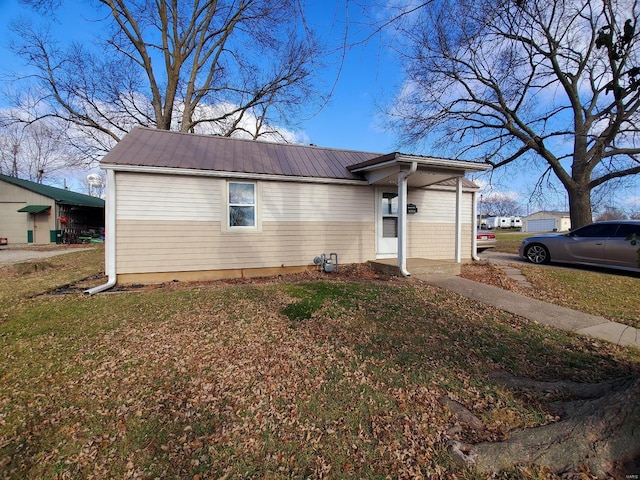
<point x="35" y="213"/>
<point x="182" y="206"/>
<point x="545" y="221"/>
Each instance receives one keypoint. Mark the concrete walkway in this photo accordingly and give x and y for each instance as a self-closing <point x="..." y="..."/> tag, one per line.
<point x="19" y="254"/>
<point x="537" y="310"/>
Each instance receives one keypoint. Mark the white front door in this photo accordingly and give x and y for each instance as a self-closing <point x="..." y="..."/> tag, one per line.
<point x="387" y="223"/>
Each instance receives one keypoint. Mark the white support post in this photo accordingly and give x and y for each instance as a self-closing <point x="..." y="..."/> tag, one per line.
<point x="458" y="253"/>
<point x="474" y="225"/>
<point x="402" y="218"/>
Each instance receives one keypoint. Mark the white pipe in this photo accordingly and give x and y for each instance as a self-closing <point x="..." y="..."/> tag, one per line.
<point x="110" y="238"/>
<point x="458" y="242"/>
<point x="402" y="218"/>
<point x="474" y="226"/>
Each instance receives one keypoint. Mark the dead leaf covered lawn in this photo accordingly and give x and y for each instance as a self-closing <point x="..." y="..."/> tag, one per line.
<point x="294" y="378"/>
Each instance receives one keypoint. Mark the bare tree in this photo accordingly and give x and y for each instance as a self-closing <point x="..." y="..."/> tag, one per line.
<point x="498" y="205"/>
<point x="611" y="213"/>
<point x="550" y="82"/>
<point x="10" y="141"/>
<point x="540" y="83"/>
<point x="34" y="151"/>
<point x="164" y="63"/>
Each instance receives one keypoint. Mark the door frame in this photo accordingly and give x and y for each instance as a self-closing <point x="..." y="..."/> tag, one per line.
<point x="386" y="247"/>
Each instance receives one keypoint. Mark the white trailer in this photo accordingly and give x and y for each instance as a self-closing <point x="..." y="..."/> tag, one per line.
<point x="498" y="222"/>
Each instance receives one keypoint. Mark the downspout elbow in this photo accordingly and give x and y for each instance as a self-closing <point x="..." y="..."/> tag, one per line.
<point x="111" y="282"/>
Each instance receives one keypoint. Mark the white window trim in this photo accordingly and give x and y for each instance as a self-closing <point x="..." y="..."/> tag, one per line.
<point x="226" y="227"/>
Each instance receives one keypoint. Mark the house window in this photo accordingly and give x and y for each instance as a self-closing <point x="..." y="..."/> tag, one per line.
<point x="389" y="215"/>
<point x="241" y="205"/>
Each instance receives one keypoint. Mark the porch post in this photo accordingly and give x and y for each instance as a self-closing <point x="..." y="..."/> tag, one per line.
<point x="402" y="217"/>
<point x="474" y="225"/>
<point x="458" y="253"/>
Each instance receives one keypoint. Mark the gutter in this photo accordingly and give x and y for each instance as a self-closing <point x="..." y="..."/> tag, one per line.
<point x="402" y="216"/>
<point x="223" y="174"/>
<point x="110" y="226"/>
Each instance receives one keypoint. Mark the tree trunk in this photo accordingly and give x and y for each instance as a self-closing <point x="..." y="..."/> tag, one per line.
<point x="601" y="434"/>
<point x="580" y="206"/>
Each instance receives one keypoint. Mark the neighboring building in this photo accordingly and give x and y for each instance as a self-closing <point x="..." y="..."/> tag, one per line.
<point x="546" y="222"/>
<point x="35" y="213"/>
<point x="193" y="207"/>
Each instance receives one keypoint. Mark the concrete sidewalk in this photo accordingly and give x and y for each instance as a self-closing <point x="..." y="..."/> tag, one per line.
<point x="20" y="254"/>
<point x="537" y="310"/>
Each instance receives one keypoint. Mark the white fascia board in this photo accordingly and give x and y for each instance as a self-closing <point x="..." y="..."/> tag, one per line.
<point x="440" y="164"/>
<point x="443" y="162"/>
<point x="220" y="174"/>
<point x="376" y="166"/>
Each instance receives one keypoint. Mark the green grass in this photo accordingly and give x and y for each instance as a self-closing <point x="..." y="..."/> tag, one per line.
<point x="322" y="379"/>
<point x="509" y="241"/>
<point x="610" y="295"/>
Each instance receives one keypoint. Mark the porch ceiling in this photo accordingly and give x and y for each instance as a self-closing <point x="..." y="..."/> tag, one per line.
<point x="421" y="178"/>
<point x="384" y="170"/>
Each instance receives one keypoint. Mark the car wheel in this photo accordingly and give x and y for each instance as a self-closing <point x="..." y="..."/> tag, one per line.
<point x="537" y="253"/>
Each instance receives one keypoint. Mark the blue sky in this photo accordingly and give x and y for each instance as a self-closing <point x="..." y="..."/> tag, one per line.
<point x="351" y="120"/>
<point x="348" y="121"/>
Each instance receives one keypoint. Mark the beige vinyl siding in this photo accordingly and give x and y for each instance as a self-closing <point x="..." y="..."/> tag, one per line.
<point x="167" y="197"/>
<point x="173" y="223"/>
<point x="431" y="231"/>
<point x="142" y="196"/>
<point x="304" y="202"/>
<point x="436" y="241"/>
<point x="191" y="246"/>
<point x="438" y="206"/>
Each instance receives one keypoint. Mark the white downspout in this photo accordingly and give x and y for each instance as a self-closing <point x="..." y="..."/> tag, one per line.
<point x="474" y="226"/>
<point x="402" y="217"/>
<point x="110" y="238"/>
<point x="458" y="254"/>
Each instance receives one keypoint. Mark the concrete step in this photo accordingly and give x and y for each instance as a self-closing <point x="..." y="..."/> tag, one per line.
<point x="417" y="266"/>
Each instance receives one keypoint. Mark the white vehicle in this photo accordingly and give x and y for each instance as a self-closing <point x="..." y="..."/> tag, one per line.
<point x="498" y="222"/>
<point x="503" y="222"/>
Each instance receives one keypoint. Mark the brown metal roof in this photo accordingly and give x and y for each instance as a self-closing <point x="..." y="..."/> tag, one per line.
<point x="148" y="147"/>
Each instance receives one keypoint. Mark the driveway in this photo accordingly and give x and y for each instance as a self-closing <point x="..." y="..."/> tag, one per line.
<point x="18" y="254"/>
<point x="501" y="258"/>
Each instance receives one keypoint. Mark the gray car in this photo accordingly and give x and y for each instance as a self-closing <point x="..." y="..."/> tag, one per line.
<point x="602" y="244"/>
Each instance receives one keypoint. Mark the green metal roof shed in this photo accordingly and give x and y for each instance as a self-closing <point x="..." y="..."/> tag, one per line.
<point x="34" y="213"/>
<point x="60" y="195"/>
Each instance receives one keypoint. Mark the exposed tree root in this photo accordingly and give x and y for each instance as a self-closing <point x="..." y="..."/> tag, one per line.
<point x="600" y="431"/>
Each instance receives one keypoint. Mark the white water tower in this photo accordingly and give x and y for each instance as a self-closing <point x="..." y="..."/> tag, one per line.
<point x="94" y="180"/>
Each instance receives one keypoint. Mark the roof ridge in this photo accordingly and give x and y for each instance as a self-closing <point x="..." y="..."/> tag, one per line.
<point x="249" y="140"/>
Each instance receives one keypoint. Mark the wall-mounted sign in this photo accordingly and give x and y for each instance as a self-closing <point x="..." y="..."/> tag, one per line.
<point x="411" y="208"/>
